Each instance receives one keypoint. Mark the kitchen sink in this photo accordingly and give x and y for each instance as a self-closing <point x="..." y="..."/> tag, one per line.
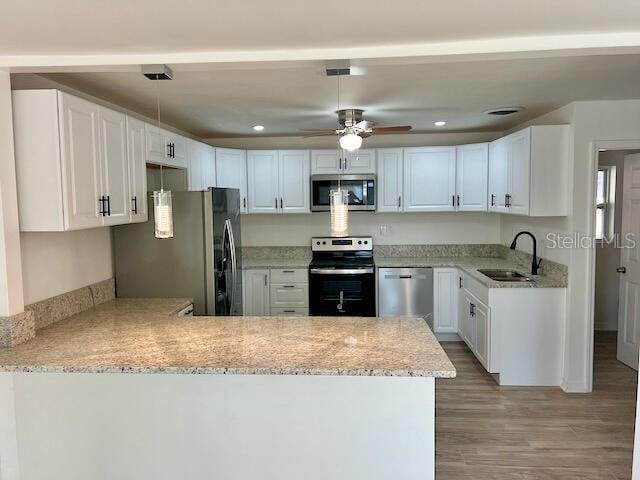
<point x="504" y="275"/>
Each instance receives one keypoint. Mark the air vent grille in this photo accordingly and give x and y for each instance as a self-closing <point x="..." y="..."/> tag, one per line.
<point x="504" y="111"/>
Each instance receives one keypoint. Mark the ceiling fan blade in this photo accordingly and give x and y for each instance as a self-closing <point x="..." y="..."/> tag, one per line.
<point x="320" y="134"/>
<point x="365" y="134"/>
<point x="395" y="128"/>
<point x="365" y="125"/>
<point x="322" y="130"/>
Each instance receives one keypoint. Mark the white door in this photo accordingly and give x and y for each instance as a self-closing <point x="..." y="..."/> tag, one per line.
<point x="256" y="293"/>
<point x="629" y="305"/>
<point x="361" y="161"/>
<point x="389" y="180"/>
<point x="519" y="157"/>
<point x="231" y="172"/>
<point x="429" y="179"/>
<point x="208" y="167"/>
<point x="326" y="162"/>
<point x="115" y="166"/>
<point x="472" y="169"/>
<point x="137" y="169"/>
<point x="80" y="162"/>
<point x="294" y="171"/>
<point x="195" y="166"/>
<point x="445" y="300"/>
<point x="263" y="194"/>
<point x="498" y="176"/>
<point x="481" y="319"/>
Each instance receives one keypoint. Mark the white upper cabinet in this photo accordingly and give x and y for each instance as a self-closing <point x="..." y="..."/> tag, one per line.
<point x="202" y="168"/>
<point x="72" y="162"/>
<point x="360" y="161"/>
<point x="498" y="176"/>
<point x="114" y="166"/>
<point x="429" y="179"/>
<point x="528" y="173"/>
<point x="326" y="162"/>
<point x="166" y="148"/>
<point x="263" y="194"/>
<point x="472" y="169"/>
<point x="278" y="181"/>
<point x="137" y="169"/>
<point x="334" y="162"/>
<point x="294" y="174"/>
<point x="231" y="172"/>
<point x="389" y="180"/>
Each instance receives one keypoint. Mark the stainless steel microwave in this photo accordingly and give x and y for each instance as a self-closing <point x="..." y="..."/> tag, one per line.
<point x="361" y="188"/>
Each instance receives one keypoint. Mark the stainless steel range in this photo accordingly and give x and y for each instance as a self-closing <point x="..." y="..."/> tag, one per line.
<point x="342" y="277"/>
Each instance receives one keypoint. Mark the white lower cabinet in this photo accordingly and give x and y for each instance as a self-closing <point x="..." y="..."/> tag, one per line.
<point x="445" y="303"/>
<point x="475" y="327"/>
<point x="276" y="291"/>
<point x="256" y="296"/>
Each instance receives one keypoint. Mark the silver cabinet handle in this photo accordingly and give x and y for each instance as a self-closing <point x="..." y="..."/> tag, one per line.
<point x="621" y="269"/>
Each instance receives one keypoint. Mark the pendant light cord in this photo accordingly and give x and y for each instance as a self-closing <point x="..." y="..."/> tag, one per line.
<point x="158" y="110"/>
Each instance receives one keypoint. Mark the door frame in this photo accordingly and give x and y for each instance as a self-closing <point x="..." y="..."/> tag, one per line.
<point x="595" y="147"/>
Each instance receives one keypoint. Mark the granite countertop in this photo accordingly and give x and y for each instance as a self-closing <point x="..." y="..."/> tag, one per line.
<point x="468" y="264"/>
<point x="142" y="336"/>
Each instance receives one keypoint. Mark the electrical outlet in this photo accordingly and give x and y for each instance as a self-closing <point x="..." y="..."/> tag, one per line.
<point x="383" y="230"/>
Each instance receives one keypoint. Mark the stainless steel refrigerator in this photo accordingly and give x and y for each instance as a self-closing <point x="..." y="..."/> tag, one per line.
<point x="202" y="260"/>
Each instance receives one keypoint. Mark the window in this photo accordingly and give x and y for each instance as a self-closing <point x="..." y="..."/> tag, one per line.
<point x="605" y="202"/>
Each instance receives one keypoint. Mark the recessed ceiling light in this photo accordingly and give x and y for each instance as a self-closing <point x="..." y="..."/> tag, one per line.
<point x="258" y="128"/>
<point x="440" y="123"/>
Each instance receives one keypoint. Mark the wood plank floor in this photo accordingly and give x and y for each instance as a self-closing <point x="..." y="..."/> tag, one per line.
<point x="487" y="432"/>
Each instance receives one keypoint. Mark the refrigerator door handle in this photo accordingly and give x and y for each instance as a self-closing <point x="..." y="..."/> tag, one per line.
<point x="234" y="265"/>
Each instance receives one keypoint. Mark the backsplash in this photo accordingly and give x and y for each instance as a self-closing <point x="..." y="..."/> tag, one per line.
<point x="468" y="250"/>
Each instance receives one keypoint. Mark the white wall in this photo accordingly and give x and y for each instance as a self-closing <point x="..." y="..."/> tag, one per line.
<point x="55" y="263"/>
<point x="404" y="228"/>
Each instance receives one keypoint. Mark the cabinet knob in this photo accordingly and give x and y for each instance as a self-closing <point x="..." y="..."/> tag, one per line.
<point x="621" y="269"/>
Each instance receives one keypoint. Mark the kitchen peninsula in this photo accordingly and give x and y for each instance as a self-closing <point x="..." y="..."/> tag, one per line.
<point x="248" y="397"/>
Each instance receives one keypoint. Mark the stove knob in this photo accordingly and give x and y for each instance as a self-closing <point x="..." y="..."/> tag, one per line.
<point x="360" y="242"/>
<point x="324" y="243"/>
<point x="366" y="241"/>
<point x="317" y="243"/>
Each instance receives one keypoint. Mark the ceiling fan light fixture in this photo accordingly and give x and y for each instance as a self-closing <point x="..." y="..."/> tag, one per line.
<point x="350" y="142"/>
<point x="258" y="128"/>
<point x="440" y="123"/>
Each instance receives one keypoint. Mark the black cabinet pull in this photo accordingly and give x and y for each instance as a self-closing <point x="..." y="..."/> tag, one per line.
<point x="288" y="311"/>
<point x="288" y="286"/>
<point x="493" y="200"/>
<point x="244" y="201"/>
<point x="460" y="281"/>
<point x="135" y="204"/>
<point x="109" y="205"/>
<point x="507" y="200"/>
<point x="399" y="201"/>
<point x="280" y="203"/>
<point x="458" y="199"/>
<point x="276" y="202"/>
<point x="453" y="200"/>
<point x="101" y="207"/>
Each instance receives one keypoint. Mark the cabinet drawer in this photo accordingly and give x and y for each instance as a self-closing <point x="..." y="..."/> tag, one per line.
<point x="476" y="288"/>
<point x="289" y="275"/>
<point x="290" y="312"/>
<point x="289" y="295"/>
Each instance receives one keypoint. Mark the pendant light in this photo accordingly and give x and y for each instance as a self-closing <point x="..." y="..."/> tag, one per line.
<point x="339" y="198"/>
<point x="162" y="209"/>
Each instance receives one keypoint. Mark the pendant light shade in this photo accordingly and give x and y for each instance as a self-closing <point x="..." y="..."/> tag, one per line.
<point x="350" y="142"/>
<point x="163" y="214"/>
<point x="339" y="213"/>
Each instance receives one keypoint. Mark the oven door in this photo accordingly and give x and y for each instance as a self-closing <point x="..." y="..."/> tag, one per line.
<point x="361" y="188"/>
<point x="342" y="292"/>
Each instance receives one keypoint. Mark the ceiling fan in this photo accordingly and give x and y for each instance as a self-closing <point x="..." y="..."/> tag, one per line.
<point x="354" y="129"/>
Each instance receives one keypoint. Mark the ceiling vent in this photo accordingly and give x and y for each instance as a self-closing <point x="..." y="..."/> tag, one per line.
<point x="157" y="72"/>
<point x="504" y="111"/>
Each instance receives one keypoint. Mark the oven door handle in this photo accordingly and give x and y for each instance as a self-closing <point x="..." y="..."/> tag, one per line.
<point x="341" y="271"/>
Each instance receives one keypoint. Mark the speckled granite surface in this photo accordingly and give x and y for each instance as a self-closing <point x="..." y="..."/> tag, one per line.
<point x="17" y="329"/>
<point x="468" y="258"/>
<point x="140" y="336"/>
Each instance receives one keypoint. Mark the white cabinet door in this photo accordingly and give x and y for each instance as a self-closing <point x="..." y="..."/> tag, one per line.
<point x="256" y="299"/>
<point x="208" y="167"/>
<point x="389" y="180"/>
<point x="469" y="326"/>
<point x="472" y="164"/>
<point x="231" y="172"/>
<point x="498" y="176"/>
<point x="263" y="194"/>
<point x="156" y="149"/>
<point x="294" y="171"/>
<point x="195" y="166"/>
<point x="429" y="179"/>
<point x="445" y="300"/>
<point x="115" y="166"/>
<point x="361" y="161"/>
<point x="519" y="154"/>
<point x="481" y="319"/>
<point x="80" y="162"/>
<point x="326" y="162"/>
<point x="137" y="169"/>
<point x="179" y="149"/>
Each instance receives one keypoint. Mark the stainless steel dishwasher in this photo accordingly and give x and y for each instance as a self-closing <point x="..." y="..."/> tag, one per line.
<point x="406" y="292"/>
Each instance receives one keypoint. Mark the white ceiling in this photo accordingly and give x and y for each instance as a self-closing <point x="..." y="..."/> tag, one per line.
<point x="226" y="103"/>
<point x="47" y="27"/>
